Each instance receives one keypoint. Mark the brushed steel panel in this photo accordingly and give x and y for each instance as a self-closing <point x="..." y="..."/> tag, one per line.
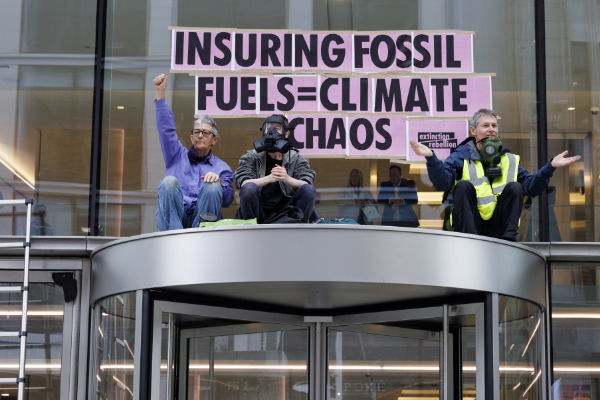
<point x="311" y="266"/>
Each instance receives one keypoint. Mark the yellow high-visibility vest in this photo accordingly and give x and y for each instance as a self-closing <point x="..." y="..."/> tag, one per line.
<point x="487" y="194"/>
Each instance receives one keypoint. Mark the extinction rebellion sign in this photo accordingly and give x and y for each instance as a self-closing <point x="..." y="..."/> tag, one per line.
<point x="346" y="94"/>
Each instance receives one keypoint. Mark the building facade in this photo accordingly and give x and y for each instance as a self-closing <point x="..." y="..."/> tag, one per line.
<point x="79" y="137"/>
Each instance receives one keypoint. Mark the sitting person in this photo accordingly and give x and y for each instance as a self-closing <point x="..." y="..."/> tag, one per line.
<point x="398" y="196"/>
<point x="353" y="198"/>
<point x="487" y="198"/>
<point x="274" y="176"/>
<point x="196" y="181"/>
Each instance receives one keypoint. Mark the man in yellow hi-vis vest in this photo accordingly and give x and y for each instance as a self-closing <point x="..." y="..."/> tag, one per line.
<point x="488" y="191"/>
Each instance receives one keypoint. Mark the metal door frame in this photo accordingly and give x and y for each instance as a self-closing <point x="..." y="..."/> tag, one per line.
<point x="170" y="307"/>
<point x="353" y="322"/>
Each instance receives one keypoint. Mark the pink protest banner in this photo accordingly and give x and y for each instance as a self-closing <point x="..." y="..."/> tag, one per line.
<point x="286" y="93"/>
<point x="440" y="136"/>
<point x="319" y="135"/>
<point x="376" y="136"/>
<point x="442" y="53"/>
<point x="339" y="136"/>
<point x="382" y="52"/>
<point x="460" y="96"/>
<point x="262" y="51"/>
<point x="206" y="49"/>
<point x="210" y="50"/>
<point x="322" y="52"/>
<point x="346" y="94"/>
<point x="402" y="94"/>
<point x="240" y="94"/>
<point x="223" y="95"/>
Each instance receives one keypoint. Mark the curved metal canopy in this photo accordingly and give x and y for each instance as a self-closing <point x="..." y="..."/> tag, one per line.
<point x="317" y="267"/>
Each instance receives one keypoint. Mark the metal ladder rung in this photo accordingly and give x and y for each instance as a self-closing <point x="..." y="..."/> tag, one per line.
<point x="22" y="334"/>
<point x="10" y="334"/>
<point x="11" y="289"/>
<point x="17" y="245"/>
<point x="15" y="202"/>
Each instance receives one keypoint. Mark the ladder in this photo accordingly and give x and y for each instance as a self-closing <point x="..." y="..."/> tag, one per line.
<point x="22" y="334"/>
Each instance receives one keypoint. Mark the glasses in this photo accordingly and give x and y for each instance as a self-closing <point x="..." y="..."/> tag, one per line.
<point x="197" y="132"/>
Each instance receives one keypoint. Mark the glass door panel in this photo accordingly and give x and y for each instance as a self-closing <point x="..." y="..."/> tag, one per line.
<point x="210" y="358"/>
<point x="384" y="365"/>
<point x="402" y="357"/>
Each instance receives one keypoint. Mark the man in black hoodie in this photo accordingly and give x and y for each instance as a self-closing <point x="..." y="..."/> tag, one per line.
<point x="270" y="181"/>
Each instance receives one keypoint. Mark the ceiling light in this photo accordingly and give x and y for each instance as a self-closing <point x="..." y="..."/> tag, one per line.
<point x="120" y="107"/>
<point x="571" y="108"/>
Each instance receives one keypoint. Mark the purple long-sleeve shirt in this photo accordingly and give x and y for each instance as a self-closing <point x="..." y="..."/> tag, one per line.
<point x="178" y="163"/>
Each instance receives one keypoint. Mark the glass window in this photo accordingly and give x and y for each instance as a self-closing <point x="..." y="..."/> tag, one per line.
<point x="573" y="56"/>
<point x="521" y="347"/>
<point x="576" y="330"/>
<point x="46" y="88"/>
<point x="138" y="52"/>
<point x="114" y="325"/>
<point x="44" y="341"/>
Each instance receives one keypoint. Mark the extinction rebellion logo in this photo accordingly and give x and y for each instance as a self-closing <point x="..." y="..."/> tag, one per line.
<point x="438" y="140"/>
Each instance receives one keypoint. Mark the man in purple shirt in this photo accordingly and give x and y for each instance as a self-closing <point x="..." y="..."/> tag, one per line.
<point x="196" y="181"/>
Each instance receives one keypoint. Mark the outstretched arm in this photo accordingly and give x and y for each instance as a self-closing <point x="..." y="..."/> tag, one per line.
<point x="536" y="183"/>
<point x="442" y="175"/>
<point x="562" y="161"/>
<point x="421" y="149"/>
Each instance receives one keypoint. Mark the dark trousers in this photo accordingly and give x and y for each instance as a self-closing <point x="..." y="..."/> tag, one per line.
<point x="251" y="202"/>
<point x="504" y="223"/>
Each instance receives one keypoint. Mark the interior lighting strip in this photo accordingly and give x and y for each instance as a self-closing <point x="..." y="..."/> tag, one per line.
<point x="303" y="367"/>
<point x="32" y="313"/>
<point x="576" y="316"/>
<point x="30" y="366"/>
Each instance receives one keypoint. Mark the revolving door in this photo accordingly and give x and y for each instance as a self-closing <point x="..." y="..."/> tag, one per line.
<point x="490" y="349"/>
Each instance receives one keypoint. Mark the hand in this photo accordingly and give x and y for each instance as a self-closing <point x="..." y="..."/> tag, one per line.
<point x="279" y="174"/>
<point x="361" y="202"/>
<point x="210" y="177"/>
<point x="397" y="202"/>
<point x="562" y="161"/>
<point x="160" y="85"/>
<point x="420" y="149"/>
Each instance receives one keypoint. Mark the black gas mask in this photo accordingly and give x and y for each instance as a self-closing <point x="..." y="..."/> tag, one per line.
<point x="273" y="139"/>
<point x="491" y="151"/>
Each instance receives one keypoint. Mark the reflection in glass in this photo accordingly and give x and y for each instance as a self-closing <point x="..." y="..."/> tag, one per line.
<point x="521" y="346"/>
<point x="576" y="330"/>
<point x="44" y="341"/>
<point x="137" y="52"/>
<point x="114" y="344"/>
<point x="573" y="116"/>
<point x="369" y="366"/>
<point x="46" y="88"/>
<point x="468" y="344"/>
<point x="226" y="359"/>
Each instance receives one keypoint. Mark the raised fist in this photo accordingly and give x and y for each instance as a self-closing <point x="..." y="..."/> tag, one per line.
<point x="160" y="82"/>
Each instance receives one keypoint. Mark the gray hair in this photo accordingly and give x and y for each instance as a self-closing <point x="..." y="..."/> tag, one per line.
<point x="207" y="119"/>
<point x="479" y="114"/>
